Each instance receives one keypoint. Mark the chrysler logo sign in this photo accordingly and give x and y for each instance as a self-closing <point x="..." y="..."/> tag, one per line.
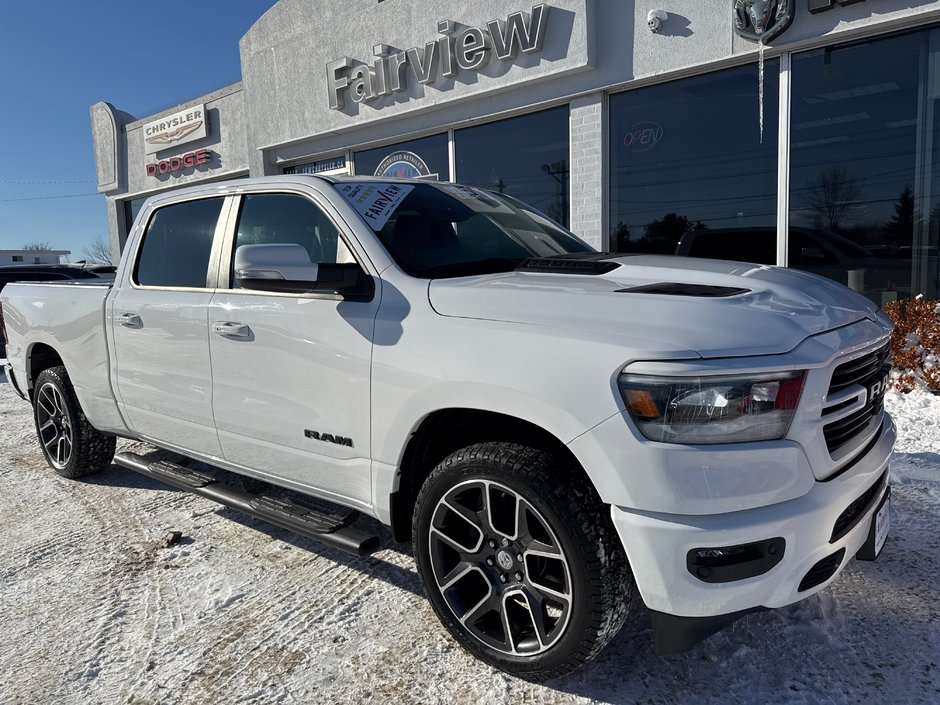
<point x="469" y="48"/>
<point x="187" y="125"/>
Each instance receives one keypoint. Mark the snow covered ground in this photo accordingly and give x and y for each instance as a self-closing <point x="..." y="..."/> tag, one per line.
<point x="93" y="610"/>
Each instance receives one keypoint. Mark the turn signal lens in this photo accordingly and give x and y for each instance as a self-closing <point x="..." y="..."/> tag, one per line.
<point x="641" y="404"/>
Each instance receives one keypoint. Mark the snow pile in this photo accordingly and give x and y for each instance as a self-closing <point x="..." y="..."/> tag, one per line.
<point x="917" y="416"/>
<point x="97" y="606"/>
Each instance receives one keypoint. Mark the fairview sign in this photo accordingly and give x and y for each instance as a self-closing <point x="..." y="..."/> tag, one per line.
<point x="470" y="49"/>
<point x="187" y="125"/>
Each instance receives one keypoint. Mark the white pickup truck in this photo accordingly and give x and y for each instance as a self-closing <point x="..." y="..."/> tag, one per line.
<point x="560" y="433"/>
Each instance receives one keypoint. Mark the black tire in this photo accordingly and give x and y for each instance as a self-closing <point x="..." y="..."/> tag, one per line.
<point x="72" y="446"/>
<point x="534" y="508"/>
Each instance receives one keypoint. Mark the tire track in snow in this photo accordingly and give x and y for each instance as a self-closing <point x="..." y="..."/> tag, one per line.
<point x="250" y="645"/>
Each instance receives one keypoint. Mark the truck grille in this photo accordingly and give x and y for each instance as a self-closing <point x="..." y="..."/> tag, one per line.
<point x="857" y="371"/>
<point x="867" y="371"/>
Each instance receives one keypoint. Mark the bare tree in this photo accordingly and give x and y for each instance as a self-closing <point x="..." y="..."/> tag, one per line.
<point x="831" y="195"/>
<point x="38" y="246"/>
<point x="98" y="252"/>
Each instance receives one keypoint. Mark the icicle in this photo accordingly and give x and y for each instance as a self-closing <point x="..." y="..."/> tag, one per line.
<point x="760" y="84"/>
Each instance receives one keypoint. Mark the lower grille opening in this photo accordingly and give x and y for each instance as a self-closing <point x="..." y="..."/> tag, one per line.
<point x="822" y="571"/>
<point x="856" y="510"/>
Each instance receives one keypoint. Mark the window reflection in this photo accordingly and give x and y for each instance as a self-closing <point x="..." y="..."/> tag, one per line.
<point x="131" y="209"/>
<point x="862" y="163"/>
<point x="525" y="157"/>
<point x="690" y="156"/>
<point x="423" y="157"/>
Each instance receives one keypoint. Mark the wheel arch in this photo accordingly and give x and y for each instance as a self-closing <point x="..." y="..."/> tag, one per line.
<point x="40" y="358"/>
<point x="444" y="431"/>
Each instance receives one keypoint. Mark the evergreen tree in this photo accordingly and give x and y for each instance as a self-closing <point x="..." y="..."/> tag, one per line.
<point x="900" y="228"/>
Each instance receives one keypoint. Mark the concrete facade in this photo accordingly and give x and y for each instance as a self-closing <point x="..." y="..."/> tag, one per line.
<point x="33" y="256"/>
<point x="280" y="113"/>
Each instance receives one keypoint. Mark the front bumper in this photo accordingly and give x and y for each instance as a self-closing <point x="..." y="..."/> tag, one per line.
<point x="657" y="544"/>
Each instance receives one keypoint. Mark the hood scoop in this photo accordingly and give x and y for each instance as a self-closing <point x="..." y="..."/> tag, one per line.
<point x="677" y="289"/>
<point x="590" y="263"/>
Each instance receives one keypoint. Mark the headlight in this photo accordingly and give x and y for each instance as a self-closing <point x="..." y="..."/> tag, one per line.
<point x="723" y="409"/>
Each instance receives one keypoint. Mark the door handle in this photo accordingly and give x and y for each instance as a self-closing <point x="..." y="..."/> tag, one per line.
<point x="231" y="330"/>
<point x="131" y="320"/>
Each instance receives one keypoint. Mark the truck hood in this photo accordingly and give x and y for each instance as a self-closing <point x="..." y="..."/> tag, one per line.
<point x="674" y="305"/>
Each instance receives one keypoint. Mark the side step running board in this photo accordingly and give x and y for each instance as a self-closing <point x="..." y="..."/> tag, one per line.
<point x="333" y="531"/>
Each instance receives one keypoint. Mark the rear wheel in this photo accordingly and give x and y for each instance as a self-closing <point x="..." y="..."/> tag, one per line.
<point x="519" y="559"/>
<point x="72" y="446"/>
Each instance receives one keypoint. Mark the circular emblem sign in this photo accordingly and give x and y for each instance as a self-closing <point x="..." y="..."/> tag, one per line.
<point x="404" y="164"/>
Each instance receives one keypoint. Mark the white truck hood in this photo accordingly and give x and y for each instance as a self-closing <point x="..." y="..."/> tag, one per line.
<point x="778" y="309"/>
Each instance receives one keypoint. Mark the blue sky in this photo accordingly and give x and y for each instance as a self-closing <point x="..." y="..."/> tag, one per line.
<point x="58" y="58"/>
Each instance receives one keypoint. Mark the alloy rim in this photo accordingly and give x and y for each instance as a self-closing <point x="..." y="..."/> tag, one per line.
<point x="55" y="426"/>
<point x="500" y="568"/>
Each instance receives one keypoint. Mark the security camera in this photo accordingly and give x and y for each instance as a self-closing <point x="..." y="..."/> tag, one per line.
<point x="655" y="19"/>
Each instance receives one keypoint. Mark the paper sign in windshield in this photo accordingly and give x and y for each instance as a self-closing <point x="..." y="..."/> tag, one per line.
<point x="375" y="201"/>
<point x="474" y="196"/>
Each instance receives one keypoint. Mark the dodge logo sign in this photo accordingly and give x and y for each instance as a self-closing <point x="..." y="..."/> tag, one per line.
<point x="165" y="166"/>
<point x="762" y="20"/>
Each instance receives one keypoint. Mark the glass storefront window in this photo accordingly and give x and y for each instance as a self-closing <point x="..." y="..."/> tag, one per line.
<point x="864" y="129"/>
<point x="426" y="156"/>
<point x="131" y="209"/>
<point x="525" y="157"/>
<point x="689" y="157"/>
<point x="331" y="165"/>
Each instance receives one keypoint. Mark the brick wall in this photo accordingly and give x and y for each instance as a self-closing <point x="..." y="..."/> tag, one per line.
<point x="588" y="181"/>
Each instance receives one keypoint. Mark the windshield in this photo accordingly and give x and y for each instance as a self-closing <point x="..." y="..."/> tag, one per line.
<point x="448" y="230"/>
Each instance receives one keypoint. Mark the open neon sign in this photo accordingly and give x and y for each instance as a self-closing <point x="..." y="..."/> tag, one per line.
<point x="643" y="136"/>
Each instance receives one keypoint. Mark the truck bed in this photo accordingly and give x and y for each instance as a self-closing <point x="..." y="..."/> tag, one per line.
<point x="69" y="317"/>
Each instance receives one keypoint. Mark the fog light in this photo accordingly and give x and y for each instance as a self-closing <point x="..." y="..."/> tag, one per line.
<point x="725" y="564"/>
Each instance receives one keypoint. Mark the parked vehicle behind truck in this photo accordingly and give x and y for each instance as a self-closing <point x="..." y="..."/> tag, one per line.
<point x="566" y="437"/>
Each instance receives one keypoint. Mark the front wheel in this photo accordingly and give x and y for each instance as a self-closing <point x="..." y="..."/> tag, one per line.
<point x="519" y="559"/>
<point x="72" y="446"/>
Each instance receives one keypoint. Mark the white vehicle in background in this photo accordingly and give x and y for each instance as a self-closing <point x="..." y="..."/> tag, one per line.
<point x="566" y="436"/>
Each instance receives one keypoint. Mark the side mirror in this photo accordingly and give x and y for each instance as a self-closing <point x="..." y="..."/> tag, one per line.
<point x="286" y="268"/>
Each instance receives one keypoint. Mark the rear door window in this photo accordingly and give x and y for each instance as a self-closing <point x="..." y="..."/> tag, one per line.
<point x="178" y="244"/>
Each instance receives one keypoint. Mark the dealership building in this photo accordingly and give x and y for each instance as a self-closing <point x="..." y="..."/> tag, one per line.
<point x="795" y="132"/>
